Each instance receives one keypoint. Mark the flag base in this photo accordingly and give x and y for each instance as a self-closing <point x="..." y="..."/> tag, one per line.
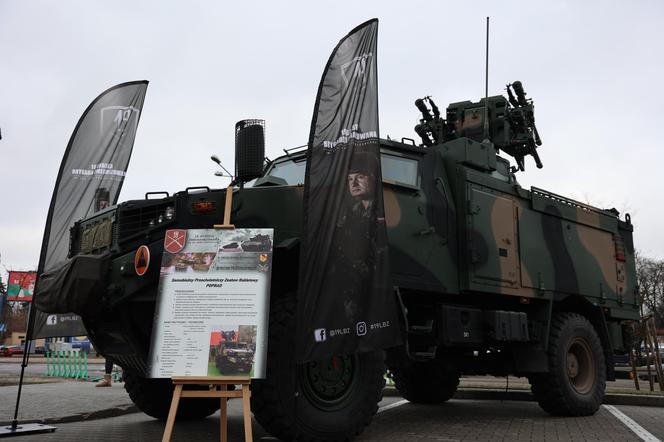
<point x="24" y="429"/>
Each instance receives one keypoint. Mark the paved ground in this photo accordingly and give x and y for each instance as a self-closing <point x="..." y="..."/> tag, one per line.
<point x="650" y="418"/>
<point x="467" y="420"/>
<point x="457" y="420"/>
<point x="82" y="412"/>
<point x="71" y="400"/>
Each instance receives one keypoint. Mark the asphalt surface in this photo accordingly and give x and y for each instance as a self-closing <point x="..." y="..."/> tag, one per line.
<point x="456" y="420"/>
<point x="82" y="412"/>
<point x="63" y="401"/>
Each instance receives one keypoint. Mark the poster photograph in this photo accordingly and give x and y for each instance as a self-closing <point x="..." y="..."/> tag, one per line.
<point x="212" y="305"/>
<point x="232" y="350"/>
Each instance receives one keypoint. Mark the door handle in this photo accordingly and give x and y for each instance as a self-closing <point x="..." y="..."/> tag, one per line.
<point x="427" y="231"/>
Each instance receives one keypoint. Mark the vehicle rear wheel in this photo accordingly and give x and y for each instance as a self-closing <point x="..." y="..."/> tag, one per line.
<point x="574" y="385"/>
<point x="153" y="397"/>
<point x="330" y="400"/>
<point x="421" y="382"/>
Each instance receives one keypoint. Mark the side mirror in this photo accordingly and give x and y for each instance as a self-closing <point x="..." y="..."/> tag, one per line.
<point x="249" y="149"/>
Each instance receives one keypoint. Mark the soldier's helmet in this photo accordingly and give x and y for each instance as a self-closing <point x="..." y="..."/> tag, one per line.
<point x="365" y="163"/>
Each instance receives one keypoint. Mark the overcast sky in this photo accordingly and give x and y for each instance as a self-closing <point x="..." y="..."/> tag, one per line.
<point x="594" y="69"/>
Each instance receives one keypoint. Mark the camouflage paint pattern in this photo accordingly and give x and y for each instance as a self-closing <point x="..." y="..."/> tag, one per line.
<point x="492" y="237"/>
<point x="466" y="233"/>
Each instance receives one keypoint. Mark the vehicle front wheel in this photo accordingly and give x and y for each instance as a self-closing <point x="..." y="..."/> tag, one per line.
<point x="153" y="397"/>
<point x="329" y="400"/>
<point x="574" y="385"/>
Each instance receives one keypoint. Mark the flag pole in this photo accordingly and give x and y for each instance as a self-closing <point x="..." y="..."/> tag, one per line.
<point x="15" y="429"/>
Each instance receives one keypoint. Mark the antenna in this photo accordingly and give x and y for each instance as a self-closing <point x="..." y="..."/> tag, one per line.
<point x="486" y="87"/>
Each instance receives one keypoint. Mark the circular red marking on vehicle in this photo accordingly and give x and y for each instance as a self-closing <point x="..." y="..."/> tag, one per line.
<point x="142" y="260"/>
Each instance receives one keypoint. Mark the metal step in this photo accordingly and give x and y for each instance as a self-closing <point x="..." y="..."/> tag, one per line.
<point x="423" y="329"/>
<point x="420" y="330"/>
<point x="423" y="355"/>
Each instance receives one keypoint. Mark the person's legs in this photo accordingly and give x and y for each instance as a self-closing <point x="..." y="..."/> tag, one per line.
<point x="108" y="369"/>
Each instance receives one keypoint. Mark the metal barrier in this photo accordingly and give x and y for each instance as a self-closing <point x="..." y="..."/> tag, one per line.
<point x="67" y="364"/>
<point x="116" y="374"/>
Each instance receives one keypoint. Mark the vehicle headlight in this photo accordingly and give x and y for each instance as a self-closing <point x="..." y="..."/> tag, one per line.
<point x="167" y="215"/>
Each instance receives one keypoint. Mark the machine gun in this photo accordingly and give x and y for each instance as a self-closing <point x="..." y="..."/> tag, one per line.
<point x="432" y="129"/>
<point x="521" y="117"/>
<point x="511" y="123"/>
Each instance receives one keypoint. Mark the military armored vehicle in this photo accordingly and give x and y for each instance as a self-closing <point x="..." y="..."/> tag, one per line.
<point x="258" y="243"/>
<point x="234" y="358"/>
<point x="492" y="278"/>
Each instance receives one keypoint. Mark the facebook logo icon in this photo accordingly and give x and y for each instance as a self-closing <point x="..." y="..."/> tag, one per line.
<point x="320" y="335"/>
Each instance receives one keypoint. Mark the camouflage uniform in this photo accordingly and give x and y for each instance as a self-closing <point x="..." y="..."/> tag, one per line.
<point x="353" y="265"/>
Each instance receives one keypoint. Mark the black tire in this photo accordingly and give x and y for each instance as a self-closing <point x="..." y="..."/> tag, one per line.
<point x="421" y="382"/>
<point x="153" y="397"/>
<point x="318" y="401"/>
<point x="574" y="385"/>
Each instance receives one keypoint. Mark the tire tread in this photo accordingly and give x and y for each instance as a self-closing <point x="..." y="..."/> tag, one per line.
<point x="550" y="389"/>
<point x="153" y="397"/>
<point x="275" y="413"/>
<point x="421" y="382"/>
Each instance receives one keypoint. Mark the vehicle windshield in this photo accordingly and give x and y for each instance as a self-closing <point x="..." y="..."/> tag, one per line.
<point x="394" y="168"/>
<point x="292" y="172"/>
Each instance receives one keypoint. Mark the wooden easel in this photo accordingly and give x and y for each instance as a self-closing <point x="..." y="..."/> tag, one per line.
<point x="227" y="210"/>
<point x="218" y="388"/>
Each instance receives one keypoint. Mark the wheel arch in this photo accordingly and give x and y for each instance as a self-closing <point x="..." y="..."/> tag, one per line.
<point x="595" y="314"/>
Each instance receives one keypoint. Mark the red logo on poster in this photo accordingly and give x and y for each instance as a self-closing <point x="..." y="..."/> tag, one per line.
<point x="175" y="240"/>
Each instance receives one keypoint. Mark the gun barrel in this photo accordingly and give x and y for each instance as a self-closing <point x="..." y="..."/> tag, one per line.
<point x="520" y="93"/>
<point x="538" y="162"/>
<point x="538" y="140"/>
<point x="434" y="108"/>
<point x="419" y="103"/>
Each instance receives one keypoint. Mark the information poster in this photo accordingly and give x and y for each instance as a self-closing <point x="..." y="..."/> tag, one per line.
<point x="212" y="307"/>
